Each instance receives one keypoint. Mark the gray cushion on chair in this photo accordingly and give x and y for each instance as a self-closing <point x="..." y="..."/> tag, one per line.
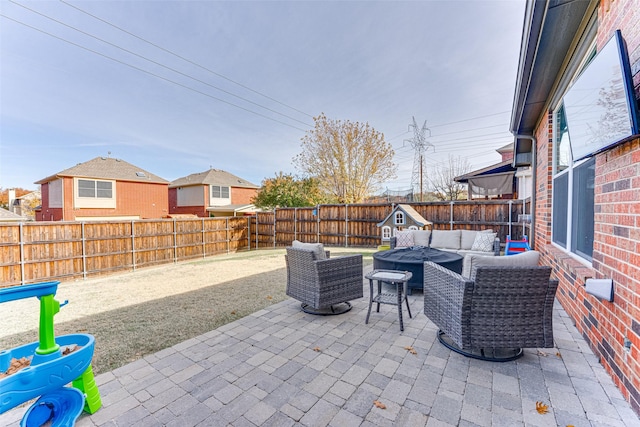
<point x="471" y="262"/>
<point x="316" y="248"/>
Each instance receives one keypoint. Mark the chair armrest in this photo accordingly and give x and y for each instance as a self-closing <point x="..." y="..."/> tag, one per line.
<point x="446" y="299"/>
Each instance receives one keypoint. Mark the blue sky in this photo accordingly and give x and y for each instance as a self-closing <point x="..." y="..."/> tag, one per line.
<point x="255" y="74"/>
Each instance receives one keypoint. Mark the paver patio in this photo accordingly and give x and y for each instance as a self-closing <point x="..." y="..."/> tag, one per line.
<point x="282" y="367"/>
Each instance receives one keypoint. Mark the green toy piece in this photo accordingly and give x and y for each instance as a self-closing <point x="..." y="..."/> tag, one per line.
<point x="49" y="307"/>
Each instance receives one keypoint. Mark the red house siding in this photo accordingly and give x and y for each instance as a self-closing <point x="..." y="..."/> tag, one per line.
<point x="616" y="247"/>
<point x="200" y="211"/>
<point x="146" y="200"/>
<point x="242" y="196"/>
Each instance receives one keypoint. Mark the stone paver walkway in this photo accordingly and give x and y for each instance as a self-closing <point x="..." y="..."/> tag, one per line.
<point x="281" y="367"/>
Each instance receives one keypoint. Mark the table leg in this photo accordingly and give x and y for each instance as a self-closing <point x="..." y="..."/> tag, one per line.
<point x="370" y="300"/>
<point x="406" y="299"/>
<point x="379" y="292"/>
<point x="399" y="292"/>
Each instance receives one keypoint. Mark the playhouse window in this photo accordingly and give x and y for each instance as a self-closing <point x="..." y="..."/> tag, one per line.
<point x="399" y="218"/>
<point x="386" y="232"/>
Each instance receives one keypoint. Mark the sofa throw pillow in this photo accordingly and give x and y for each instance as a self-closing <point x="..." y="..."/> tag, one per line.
<point x="445" y="239"/>
<point x="404" y="239"/>
<point x="483" y="242"/>
<point x="316" y="248"/>
<point x="421" y="237"/>
<point x="471" y="262"/>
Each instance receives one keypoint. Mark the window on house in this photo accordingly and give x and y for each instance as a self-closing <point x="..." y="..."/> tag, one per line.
<point x="573" y="194"/>
<point x="95" y="189"/>
<point x="399" y="218"/>
<point x="386" y="232"/>
<point x="219" y="192"/>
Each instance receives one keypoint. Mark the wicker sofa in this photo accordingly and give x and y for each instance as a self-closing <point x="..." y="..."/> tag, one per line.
<point x="462" y="242"/>
<point x="503" y="306"/>
<point x="322" y="284"/>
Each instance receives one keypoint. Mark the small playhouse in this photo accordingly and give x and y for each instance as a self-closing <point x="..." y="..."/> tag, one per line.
<point x="402" y="217"/>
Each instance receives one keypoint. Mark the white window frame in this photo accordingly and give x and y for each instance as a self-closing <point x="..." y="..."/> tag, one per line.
<point x="399" y="218"/>
<point x="95" y="201"/>
<point x="568" y="245"/>
<point x="386" y="232"/>
<point x="220" y="190"/>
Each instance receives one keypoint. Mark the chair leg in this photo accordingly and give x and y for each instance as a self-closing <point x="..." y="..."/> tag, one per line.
<point x="487" y="354"/>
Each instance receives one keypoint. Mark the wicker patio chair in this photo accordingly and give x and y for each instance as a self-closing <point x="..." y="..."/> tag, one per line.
<point x="323" y="286"/>
<point x="493" y="315"/>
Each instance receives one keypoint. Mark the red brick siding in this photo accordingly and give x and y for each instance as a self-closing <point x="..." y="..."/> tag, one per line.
<point x="200" y="211"/>
<point x="146" y="200"/>
<point x="616" y="233"/>
<point x="242" y="196"/>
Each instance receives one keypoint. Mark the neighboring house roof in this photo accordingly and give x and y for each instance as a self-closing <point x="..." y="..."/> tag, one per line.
<point x="6" y="215"/>
<point x="107" y="168"/>
<point x="409" y="212"/>
<point x="212" y="177"/>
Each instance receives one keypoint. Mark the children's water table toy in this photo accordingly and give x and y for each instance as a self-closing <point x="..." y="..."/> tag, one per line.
<point x="54" y="363"/>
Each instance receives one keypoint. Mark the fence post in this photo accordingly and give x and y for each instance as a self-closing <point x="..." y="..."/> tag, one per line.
<point x="226" y="221"/>
<point x="175" y="242"/>
<point x="204" y="246"/>
<point x="249" y="233"/>
<point x="317" y="223"/>
<point x="510" y="217"/>
<point x="133" y="245"/>
<point x="274" y="227"/>
<point x="22" y="260"/>
<point x="84" y="252"/>
<point x="257" y="227"/>
<point x="295" y="223"/>
<point x="346" y="225"/>
<point x="451" y="215"/>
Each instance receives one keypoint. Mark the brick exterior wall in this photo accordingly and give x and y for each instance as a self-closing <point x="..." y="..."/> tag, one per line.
<point x="242" y="196"/>
<point x="616" y="251"/>
<point x="200" y="211"/>
<point x="146" y="200"/>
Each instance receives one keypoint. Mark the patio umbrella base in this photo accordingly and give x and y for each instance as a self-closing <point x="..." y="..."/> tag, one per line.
<point x="340" y="308"/>
<point x="488" y="354"/>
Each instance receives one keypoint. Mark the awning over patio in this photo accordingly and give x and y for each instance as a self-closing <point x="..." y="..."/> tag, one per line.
<point x="494" y="180"/>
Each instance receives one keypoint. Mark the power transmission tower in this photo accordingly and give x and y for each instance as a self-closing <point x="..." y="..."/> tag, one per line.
<point x="419" y="144"/>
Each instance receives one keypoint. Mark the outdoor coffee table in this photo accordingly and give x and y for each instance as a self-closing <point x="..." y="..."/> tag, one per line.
<point x="398" y="278"/>
<point x="412" y="260"/>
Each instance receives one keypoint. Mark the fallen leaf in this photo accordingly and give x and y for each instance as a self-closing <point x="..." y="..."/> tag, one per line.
<point x="411" y="349"/>
<point x="542" y="353"/>
<point x="379" y="404"/>
<point x="542" y="408"/>
<point x="558" y="354"/>
<point x="269" y="297"/>
<point x="570" y="425"/>
<point x="233" y="312"/>
<point x="317" y="349"/>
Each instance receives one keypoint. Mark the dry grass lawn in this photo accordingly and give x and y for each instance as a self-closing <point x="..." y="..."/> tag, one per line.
<point x="141" y="312"/>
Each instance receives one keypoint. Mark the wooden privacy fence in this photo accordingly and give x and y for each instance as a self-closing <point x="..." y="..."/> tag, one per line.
<point x="39" y="251"/>
<point x="356" y="225"/>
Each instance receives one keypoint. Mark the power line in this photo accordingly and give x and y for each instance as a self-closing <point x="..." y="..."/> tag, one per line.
<point x="150" y="73"/>
<point x="184" y="59"/>
<point x="157" y="63"/>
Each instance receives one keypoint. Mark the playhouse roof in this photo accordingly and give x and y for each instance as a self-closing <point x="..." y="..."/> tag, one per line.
<point x="410" y="212"/>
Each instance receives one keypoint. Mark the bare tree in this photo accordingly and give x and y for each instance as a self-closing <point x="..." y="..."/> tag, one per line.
<point x="349" y="159"/>
<point x="441" y="179"/>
